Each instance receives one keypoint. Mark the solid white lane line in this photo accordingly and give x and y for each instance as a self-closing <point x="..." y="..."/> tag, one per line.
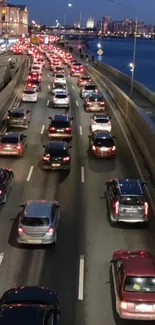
<point x="1" y="257"/>
<point x="82" y="174"/>
<point x="30" y="174"/>
<point x="42" y="129"/>
<point x="77" y="104"/>
<point x="73" y="87"/>
<point x="80" y="129"/>
<point x="81" y="278"/>
<point x="48" y="102"/>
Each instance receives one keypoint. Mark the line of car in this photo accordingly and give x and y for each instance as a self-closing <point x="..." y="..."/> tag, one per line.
<point x="132" y="273"/>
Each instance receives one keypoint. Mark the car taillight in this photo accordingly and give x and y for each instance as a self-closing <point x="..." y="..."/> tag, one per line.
<point x="123" y="304"/>
<point x="109" y="123"/>
<point x="29" y="85"/>
<point x="8" y="117"/>
<point x="52" y="128"/>
<point x="116" y="206"/>
<point x="113" y="148"/>
<point x="66" y="159"/>
<point x="29" y="77"/>
<point x="19" y="147"/>
<point x="73" y="70"/>
<point x="1" y="192"/>
<point x="24" y="117"/>
<point x="146" y="208"/>
<point x="102" y="104"/>
<point x="50" y="230"/>
<point x="20" y="230"/>
<point x="93" y="148"/>
<point x="68" y="129"/>
<point x="96" y="90"/>
<point x="46" y="158"/>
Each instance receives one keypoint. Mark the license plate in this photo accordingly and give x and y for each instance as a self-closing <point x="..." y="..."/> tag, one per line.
<point x="55" y="165"/>
<point x="60" y="130"/>
<point x="144" y="307"/>
<point x="34" y="241"/>
<point x="104" y="149"/>
<point x="8" y="148"/>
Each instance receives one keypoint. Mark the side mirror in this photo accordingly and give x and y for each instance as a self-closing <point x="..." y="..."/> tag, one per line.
<point x="44" y="146"/>
<point x="89" y="136"/>
<point x="27" y="111"/>
<point x="57" y="204"/>
<point x="144" y="184"/>
<point x="22" y="205"/>
<point x="113" y="261"/>
<point x="25" y="136"/>
<point x="70" y="147"/>
<point x="50" y="118"/>
<point x="114" y="137"/>
<point x="72" y="118"/>
<point x="107" y="183"/>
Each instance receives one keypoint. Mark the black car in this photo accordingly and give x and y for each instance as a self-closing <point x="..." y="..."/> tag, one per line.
<point x="6" y="182"/>
<point x="101" y="144"/>
<point x="60" y="126"/>
<point x="36" y="84"/>
<point x="29" y="305"/>
<point x="127" y="201"/>
<point x="57" y="156"/>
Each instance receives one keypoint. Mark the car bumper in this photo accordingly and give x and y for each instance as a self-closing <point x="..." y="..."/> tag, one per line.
<point x="10" y="153"/>
<point x="15" y="125"/>
<point x="35" y="241"/>
<point x="29" y="100"/>
<point x="50" y="167"/>
<point x="60" y="105"/>
<point x="103" y="154"/>
<point x="94" y="109"/>
<point x="137" y="316"/>
<point x="59" y="135"/>
<point x="129" y="219"/>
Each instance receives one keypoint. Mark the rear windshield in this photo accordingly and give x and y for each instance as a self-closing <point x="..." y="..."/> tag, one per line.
<point x="132" y="200"/>
<point x="76" y="64"/>
<point x="56" y="86"/>
<point x="108" y="143"/>
<point x="60" y="76"/>
<point x="102" y="120"/>
<point x="57" y="153"/>
<point x="35" y="222"/>
<point x="139" y="284"/>
<point x="35" y="82"/>
<point x="36" y="68"/>
<point x="9" y="140"/>
<point x="96" y="99"/>
<point x="61" y="96"/>
<point x="90" y="87"/>
<point x="16" y="114"/>
<point x="60" y="124"/>
<point x="29" y="92"/>
<point x="85" y="78"/>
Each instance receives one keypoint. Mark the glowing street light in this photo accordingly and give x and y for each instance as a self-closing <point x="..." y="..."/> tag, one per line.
<point x="33" y="22"/>
<point x="132" y="66"/>
<point x="69" y="5"/>
<point x="99" y="45"/>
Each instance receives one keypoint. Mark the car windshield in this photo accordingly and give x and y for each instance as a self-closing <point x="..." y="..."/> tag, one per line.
<point x="108" y="143"/>
<point x="76" y="64"/>
<point x="131" y="200"/>
<point x="139" y="284"/>
<point x="16" y="114"/>
<point x="57" y="153"/>
<point x="90" y="87"/>
<point x="9" y="140"/>
<point x="102" y="120"/>
<point x="36" y="68"/>
<point x="29" y="92"/>
<point x="35" y="222"/>
<point x="61" y="96"/>
<point x="60" y="124"/>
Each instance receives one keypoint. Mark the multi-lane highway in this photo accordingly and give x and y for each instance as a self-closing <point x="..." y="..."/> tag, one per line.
<point x="86" y="240"/>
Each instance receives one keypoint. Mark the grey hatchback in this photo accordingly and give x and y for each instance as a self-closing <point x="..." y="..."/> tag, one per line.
<point x="38" y="222"/>
<point x="127" y="201"/>
<point x="18" y="117"/>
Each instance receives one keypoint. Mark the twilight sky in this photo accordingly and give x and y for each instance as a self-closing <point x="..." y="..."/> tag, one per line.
<point x="47" y="11"/>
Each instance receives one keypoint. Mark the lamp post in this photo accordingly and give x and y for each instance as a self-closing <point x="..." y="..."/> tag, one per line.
<point x="133" y="64"/>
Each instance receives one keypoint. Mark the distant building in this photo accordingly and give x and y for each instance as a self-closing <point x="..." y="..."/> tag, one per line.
<point x="13" y="19"/>
<point x="90" y="23"/>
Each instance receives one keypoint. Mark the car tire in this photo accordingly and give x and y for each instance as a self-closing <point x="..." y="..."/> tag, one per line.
<point x="5" y="198"/>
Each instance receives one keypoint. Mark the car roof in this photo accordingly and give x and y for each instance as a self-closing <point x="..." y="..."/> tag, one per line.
<point x="102" y="134"/>
<point x="38" y="209"/>
<point x="130" y="186"/>
<point x="139" y="265"/>
<point x="57" y="145"/>
<point x="100" y="116"/>
<point x="11" y="134"/>
<point x="61" y="117"/>
<point x="17" y="109"/>
<point x="23" y="314"/>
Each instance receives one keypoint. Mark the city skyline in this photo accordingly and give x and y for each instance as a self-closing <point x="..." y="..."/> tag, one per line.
<point x="46" y="13"/>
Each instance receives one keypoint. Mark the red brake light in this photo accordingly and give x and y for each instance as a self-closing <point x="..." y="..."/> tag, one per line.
<point x="113" y="148"/>
<point x="52" y="128"/>
<point x="93" y="148"/>
<point x="19" y="147"/>
<point x="68" y="129"/>
<point x="8" y="118"/>
<point x="1" y="192"/>
<point x="20" y="229"/>
<point x="116" y="206"/>
<point x="66" y="159"/>
<point x="50" y="230"/>
<point x="146" y="207"/>
<point x="29" y="77"/>
<point x="46" y="158"/>
<point x="30" y="85"/>
<point x="123" y="305"/>
<point x="96" y="90"/>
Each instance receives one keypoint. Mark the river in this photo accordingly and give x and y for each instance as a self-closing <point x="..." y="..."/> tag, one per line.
<point x="119" y="53"/>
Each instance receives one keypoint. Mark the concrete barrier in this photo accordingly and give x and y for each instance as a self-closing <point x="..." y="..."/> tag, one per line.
<point x="140" y="125"/>
<point x="11" y="90"/>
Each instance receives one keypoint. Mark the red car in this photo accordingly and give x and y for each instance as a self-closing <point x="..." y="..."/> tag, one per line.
<point x="76" y="69"/>
<point x="34" y="76"/>
<point x="133" y="275"/>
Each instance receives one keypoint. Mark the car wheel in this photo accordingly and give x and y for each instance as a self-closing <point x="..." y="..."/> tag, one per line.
<point x="5" y="198"/>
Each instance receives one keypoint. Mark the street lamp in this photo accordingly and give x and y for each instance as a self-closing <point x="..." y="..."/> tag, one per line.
<point x="135" y="44"/>
<point x="69" y="5"/>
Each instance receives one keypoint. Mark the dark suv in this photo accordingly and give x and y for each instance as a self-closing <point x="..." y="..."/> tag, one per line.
<point x="127" y="201"/>
<point x="57" y="156"/>
<point x="60" y="126"/>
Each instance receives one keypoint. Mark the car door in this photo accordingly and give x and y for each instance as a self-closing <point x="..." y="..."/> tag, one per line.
<point x="28" y="115"/>
<point x="113" y="195"/>
<point x="55" y="215"/>
<point x="8" y="179"/>
<point x="118" y="278"/>
<point x="23" y="140"/>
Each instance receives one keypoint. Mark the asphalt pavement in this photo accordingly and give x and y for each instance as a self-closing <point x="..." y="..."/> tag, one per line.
<point x="86" y="240"/>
